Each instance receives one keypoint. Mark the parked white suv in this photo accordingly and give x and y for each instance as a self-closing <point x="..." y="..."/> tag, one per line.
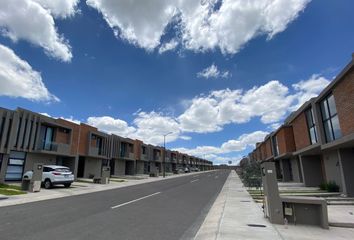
<point x="54" y="175"/>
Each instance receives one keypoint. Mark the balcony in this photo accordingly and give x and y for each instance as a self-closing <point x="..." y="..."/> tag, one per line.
<point x="127" y="155"/>
<point x="157" y="158"/>
<point x="144" y="157"/>
<point x="95" y="152"/>
<point x="53" y="147"/>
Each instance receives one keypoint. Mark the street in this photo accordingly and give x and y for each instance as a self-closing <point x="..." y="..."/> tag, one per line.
<point x="170" y="209"/>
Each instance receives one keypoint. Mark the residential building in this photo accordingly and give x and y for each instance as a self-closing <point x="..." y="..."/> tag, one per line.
<point x="27" y="137"/>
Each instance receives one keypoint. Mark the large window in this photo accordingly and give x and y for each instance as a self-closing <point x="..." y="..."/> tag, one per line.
<point x="330" y="119"/>
<point x="311" y="126"/>
<point x="48" y="139"/>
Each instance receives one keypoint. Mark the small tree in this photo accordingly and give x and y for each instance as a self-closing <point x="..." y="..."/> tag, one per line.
<point x="251" y="174"/>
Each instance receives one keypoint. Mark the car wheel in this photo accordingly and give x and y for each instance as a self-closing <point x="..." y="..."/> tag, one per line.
<point x="47" y="184"/>
<point x="67" y="185"/>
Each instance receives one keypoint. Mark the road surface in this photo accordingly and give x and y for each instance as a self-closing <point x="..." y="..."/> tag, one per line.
<point x="170" y="209"/>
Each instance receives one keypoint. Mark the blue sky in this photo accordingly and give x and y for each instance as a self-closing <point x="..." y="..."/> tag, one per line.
<point x="229" y="75"/>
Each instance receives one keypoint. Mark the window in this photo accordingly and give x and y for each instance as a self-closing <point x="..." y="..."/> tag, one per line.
<point x="330" y="119"/>
<point x="144" y="150"/>
<point x="311" y="126"/>
<point x="275" y="146"/>
<point x="99" y="143"/>
<point x="48" y="139"/>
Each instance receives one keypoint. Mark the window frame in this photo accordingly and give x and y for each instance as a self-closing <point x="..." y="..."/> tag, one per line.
<point x="312" y="126"/>
<point x="329" y="119"/>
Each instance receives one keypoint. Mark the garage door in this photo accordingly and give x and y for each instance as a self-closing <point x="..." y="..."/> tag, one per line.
<point x="15" y="166"/>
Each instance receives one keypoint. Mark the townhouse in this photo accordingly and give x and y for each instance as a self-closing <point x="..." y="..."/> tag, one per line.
<point x="27" y="137"/>
<point x="94" y="151"/>
<point x="316" y="143"/>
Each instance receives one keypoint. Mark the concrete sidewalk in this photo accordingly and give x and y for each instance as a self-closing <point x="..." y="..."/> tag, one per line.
<point x="231" y="213"/>
<point x="234" y="209"/>
<point x="79" y="188"/>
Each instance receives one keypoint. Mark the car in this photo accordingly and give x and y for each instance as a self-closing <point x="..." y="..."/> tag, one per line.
<point x="54" y="175"/>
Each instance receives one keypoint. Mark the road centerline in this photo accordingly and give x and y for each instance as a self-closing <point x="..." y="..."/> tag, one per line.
<point x="135" y="200"/>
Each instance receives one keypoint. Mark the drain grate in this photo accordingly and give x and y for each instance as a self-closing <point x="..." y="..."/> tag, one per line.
<point x="256" y="225"/>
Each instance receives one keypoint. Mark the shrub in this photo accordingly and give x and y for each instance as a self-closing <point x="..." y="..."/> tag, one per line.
<point x="330" y="186"/>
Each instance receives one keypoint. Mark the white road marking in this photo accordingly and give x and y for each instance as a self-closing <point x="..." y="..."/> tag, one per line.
<point x="216" y="177"/>
<point x="138" y="199"/>
<point x="209" y="175"/>
<point x="194" y="180"/>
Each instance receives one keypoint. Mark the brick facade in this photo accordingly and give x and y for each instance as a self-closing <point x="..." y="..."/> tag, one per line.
<point x="344" y="97"/>
<point x="300" y="132"/>
<point x="285" y="138"/>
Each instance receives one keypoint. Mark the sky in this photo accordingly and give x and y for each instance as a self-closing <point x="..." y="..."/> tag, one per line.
<point x="218" y="75"/>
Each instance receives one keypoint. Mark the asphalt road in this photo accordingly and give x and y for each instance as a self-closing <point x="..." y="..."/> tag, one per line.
<point x="166" y="210"/>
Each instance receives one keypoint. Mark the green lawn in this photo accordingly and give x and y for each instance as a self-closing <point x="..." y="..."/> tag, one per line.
<point x="6" y="189"/>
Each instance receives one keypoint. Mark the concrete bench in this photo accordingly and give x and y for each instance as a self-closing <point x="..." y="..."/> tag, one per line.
<point x="305" y="210"/>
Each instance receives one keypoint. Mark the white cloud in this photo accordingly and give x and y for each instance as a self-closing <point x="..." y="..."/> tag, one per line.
<point x="149" y="127"/>
<point x="111" y="125"/>
<point x="60" y="8"/>
<point x="168" y="46"/>
<point x="71" y="119"/>
<point x="270" y="102"/>
<point x="307" y="89"/>
<point x="141" y="23"/>
<point x="213" y="72"/>
<point x="18" y="79"/>
<point x="200" y="25"/>
<point x="231" y="146"/>
<point x="153" y="125"/>
<point x="29" y="20"/>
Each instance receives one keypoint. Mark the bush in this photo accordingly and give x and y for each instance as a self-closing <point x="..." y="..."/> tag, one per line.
<point x="330" y="186"/>
<point x="251" y="175"/>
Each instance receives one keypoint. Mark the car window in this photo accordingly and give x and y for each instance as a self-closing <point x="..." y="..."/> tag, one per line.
<point x="62" y="170"/>
<point x="46" y="169"/>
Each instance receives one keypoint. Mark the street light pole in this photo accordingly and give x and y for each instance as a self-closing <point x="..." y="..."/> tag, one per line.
<point x="164" y="154"/>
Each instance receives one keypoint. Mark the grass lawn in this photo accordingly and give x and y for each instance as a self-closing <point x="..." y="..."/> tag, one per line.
<point x="10" y="190"/>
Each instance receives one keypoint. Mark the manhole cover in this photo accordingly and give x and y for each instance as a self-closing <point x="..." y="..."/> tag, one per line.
<point x="256" y="225"/>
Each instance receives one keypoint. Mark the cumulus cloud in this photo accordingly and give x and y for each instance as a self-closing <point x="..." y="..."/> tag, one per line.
<point x="213" y="72"/>
<point x="18" y="79"/>
<point x="200" y="25"/>
<point x="111" y="125"/>
<point x="141" y="23"/>
<point x="32" y="20"/>
<point x="234" y="145"/>
<point x="60" y="8"/>
<point x="270" y="102"/>
<point x="307" y="89"/>
<point x="149" y="127"/>
<point x="168" y="46"/>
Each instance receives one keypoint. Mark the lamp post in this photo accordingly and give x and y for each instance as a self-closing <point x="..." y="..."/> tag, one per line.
<point x="164" y="154"/>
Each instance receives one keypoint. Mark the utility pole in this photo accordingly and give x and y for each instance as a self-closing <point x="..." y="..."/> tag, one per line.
<point x="164" y="154"/>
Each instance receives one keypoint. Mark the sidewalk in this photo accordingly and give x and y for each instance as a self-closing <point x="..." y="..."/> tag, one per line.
<point x="79" y="188"/>
<point x="231" y="213"/>
<point x="234" y="209"/>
